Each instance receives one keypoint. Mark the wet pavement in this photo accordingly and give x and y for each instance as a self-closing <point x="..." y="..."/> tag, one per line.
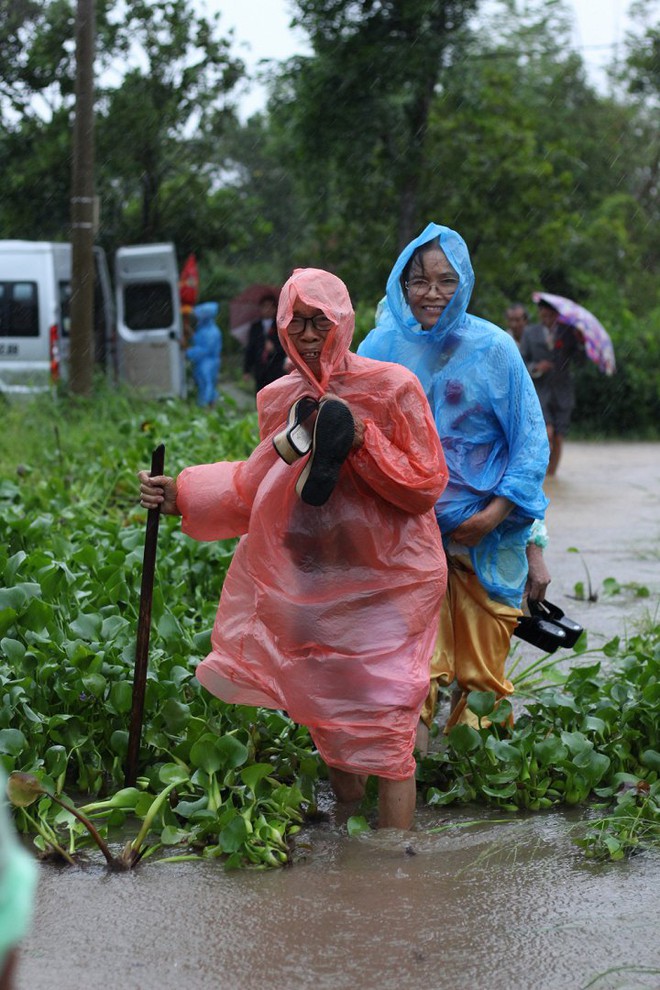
<point x="508" y="905"/>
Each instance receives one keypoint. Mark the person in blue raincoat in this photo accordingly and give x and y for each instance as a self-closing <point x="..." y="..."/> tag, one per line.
<point x="205" y="351"/>
<point x="491" y="427"/>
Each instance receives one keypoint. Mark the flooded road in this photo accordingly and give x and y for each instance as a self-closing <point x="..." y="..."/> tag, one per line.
<point x="508" y="905"/>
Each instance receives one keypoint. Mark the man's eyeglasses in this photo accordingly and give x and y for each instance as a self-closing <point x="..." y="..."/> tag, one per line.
<point x="297" y="324"/>
<point x="420" y="286"/>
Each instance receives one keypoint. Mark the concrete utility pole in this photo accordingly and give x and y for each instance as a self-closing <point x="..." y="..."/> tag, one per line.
<point x="81" y="364"/>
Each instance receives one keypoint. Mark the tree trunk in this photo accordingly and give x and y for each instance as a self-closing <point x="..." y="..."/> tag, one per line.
<point x="81" y="365"/>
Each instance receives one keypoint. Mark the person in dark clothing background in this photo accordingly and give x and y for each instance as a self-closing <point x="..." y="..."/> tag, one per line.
<point x="264" y="354"/>
<point x="550" y="349"/>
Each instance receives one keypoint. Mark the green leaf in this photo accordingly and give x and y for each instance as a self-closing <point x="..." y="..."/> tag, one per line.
<point x="576" y="742"/>
<point x="593" y="724"/>
<point x="171" y="773"/>
<point x="464" y="739"/>
<point x="651" y="758"/>
<point x="507" y="752"/>
<point x="233" y="835"/>
<point x="481" y="702"/>
<point x="168" y="627"/>
<point x="13" y="649"/>
<point x="12" y="567"/>
<point x="119" y="742"/>
<point x="204" y="754"/>
<point x="19" y="595"/>
<point x="12" y="742"/>
<point x="234" y="753"/>
<point x="120" y="697"/>
<point x="172" y="836"/>
<point x="176" y="715"/>
<point x="94" y="684"/>
<point x="114" y="627"/>
<point x="202" y="641"/>
<point x="440" y="798"/>
<point x="550" y="751"/>
<point x="253" y="774"/>
<point x="7" y="619"/>
<point x="500" y="792"/>
<point x="56" y="760"/>
<point x="357" y="825"/>
<point x="87" y="626"/>
<point x="503" y="712"/>
<point x="595" y="765"/>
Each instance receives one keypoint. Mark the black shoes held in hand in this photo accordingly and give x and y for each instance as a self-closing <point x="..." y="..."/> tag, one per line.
<point x="547" y="627"/>
<point x="296" y="438"/>
<point x="334" y="431"/>
<point x="328" y="435"/>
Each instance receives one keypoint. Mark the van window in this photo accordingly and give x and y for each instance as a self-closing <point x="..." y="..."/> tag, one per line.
<point x="148" y="306"/>
<point x="19" y="309"/>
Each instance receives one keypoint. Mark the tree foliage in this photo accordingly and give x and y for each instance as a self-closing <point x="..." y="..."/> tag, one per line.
<point x="476" y="115"/>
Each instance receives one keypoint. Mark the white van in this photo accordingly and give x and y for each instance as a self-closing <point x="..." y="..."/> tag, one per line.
<point x="142" y="348"/>
<point x="149" y="327"/>
<point x="34" y="279"/>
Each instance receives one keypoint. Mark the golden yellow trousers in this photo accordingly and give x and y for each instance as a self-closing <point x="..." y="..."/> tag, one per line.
<point x="474" y="637"/>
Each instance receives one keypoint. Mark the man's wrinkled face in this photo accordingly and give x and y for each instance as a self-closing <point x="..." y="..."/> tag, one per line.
<point x="308" y="331"/>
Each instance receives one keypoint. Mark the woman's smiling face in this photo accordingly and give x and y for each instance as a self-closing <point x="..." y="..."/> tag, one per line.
<point x="430" y="286"/>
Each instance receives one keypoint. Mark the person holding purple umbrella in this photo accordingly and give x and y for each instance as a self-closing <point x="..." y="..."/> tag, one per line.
<point x="549" y="348"/>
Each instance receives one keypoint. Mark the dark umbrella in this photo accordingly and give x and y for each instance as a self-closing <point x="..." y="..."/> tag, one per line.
<point x="244" y="309"/>
<point x="597" y="344"/>
<point x="144" y="626"/>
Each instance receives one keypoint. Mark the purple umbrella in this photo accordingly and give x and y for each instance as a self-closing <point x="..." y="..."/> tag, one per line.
<point x="597" y="344"/>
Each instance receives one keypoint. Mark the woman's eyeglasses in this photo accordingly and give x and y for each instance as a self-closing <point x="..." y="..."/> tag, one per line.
<point x="297" y="324"/>
<point x="420" y="286"/>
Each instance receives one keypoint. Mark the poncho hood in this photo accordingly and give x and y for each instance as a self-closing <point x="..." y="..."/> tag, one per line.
<point x="457" y="254"/>
<point x="324" y="291"/>
<point x="206" y="311"/>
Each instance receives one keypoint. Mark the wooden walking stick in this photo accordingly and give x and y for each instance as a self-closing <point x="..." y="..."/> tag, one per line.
<point x="144" y="626"/>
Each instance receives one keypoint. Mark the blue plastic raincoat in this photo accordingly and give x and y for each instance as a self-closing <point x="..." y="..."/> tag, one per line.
<point x="204" y="352"/>
<point x="486" y="412"/>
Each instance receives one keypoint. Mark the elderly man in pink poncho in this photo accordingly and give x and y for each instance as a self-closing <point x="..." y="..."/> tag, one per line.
<point x="328" y="608"/>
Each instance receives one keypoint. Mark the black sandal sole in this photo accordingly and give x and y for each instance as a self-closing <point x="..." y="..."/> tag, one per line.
<point x="334" y="432"/>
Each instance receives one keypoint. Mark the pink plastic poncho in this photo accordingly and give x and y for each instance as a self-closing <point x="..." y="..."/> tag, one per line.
<point x="329" y="612"/>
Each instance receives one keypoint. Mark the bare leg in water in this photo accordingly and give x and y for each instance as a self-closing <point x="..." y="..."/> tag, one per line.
<point x="396" y="798"/>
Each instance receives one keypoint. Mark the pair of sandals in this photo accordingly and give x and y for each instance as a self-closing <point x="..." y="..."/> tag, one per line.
<point x="325" y="428"/>
<point x="547" y="627"/>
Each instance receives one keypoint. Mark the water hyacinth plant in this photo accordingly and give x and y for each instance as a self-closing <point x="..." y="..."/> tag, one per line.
<point x="595" y="736"/>
<point x="219" y="781"/>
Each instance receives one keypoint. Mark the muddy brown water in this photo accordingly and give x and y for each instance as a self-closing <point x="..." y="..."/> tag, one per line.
<point x="510" y="905"/>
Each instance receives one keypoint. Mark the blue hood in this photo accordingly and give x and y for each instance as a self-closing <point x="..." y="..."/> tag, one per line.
<point x="458" y="256"/>
<point x="206" y="311"/>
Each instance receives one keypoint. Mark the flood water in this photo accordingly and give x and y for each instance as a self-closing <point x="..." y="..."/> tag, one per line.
<point x="509" y="906"/>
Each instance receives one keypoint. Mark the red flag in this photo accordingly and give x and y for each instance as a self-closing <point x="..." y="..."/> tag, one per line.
<point x="189" y="282"/>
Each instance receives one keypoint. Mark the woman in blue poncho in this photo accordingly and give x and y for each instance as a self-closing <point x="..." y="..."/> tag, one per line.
<point x="204" y="353"/>
<point x="490" y="423"/>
